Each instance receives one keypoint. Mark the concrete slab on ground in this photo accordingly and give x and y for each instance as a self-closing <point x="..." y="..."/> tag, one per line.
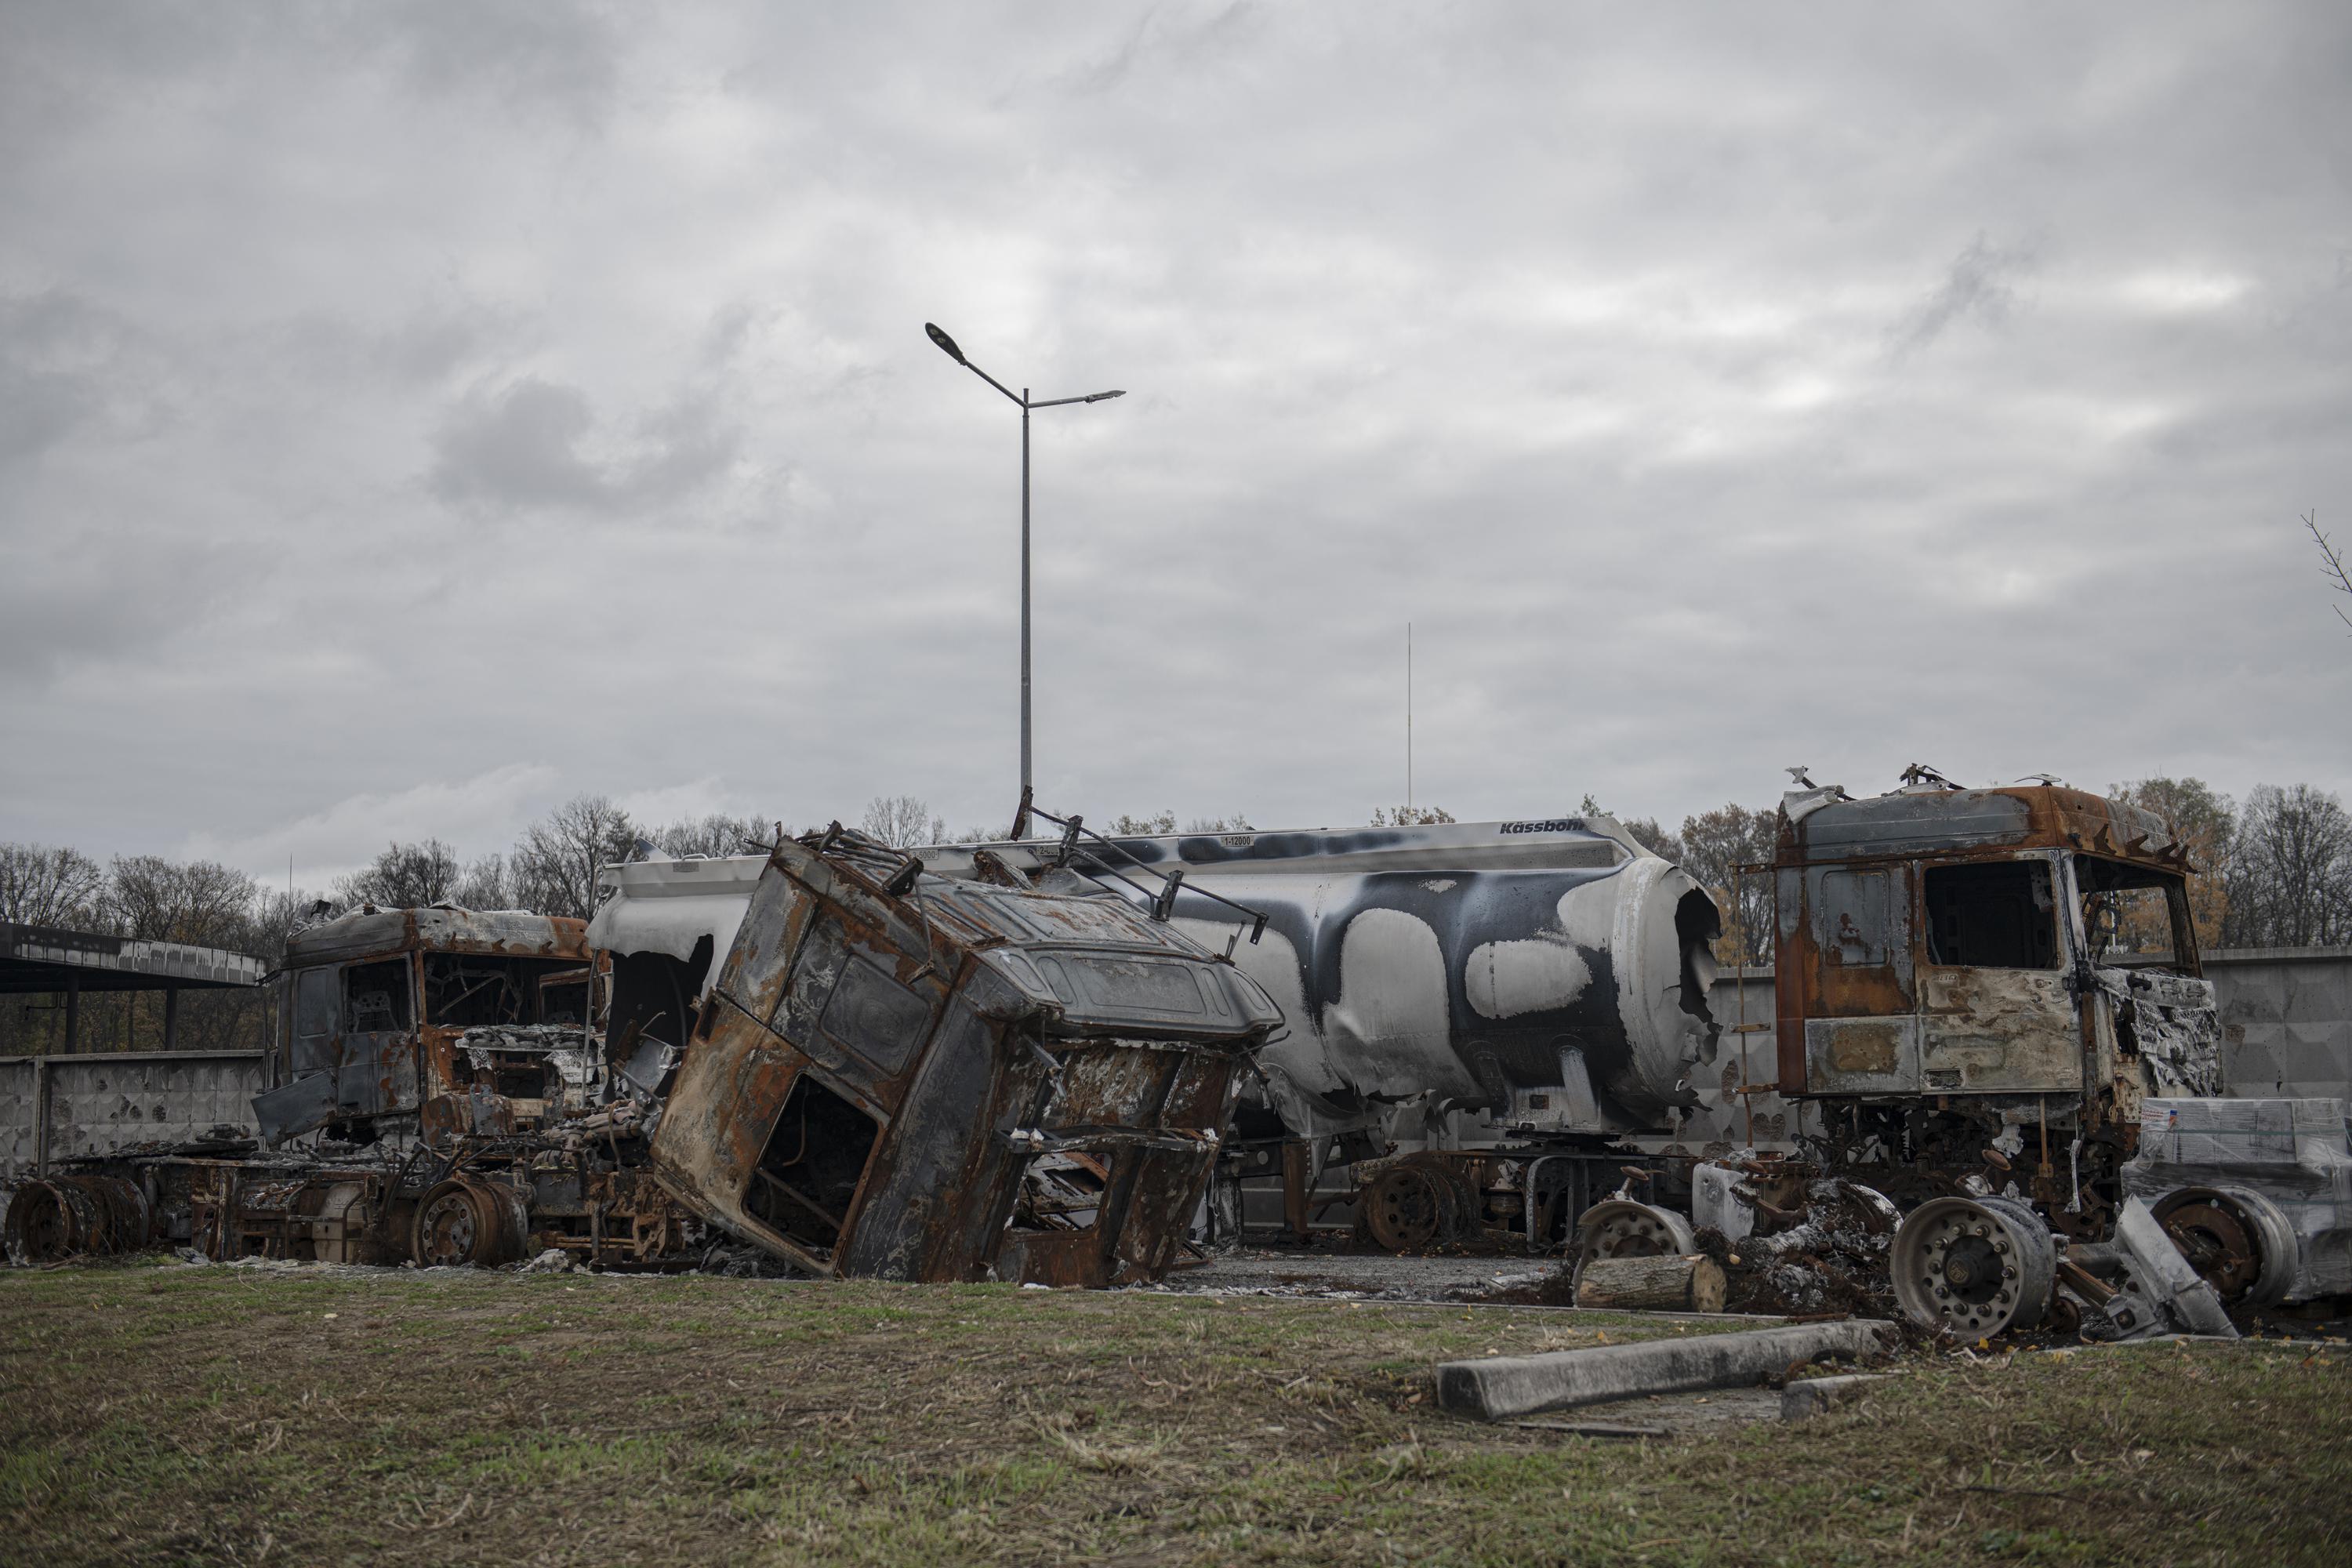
<point x="1376" y="1275"/>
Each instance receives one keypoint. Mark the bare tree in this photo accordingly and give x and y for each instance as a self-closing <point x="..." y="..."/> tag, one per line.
<point x="902" y="821"/>
<point x="1164" y="823"/>
<point x="276" y="915"/>
<point x="44" y="886"/>
<point x="484" y="885"/>
<point x="404" y="877"/>
<point x="2333" y="571"/>
<point x="196" y="902"/>
<point x="553" y="867"/>
<point x="714" y="834"/>
<point x="1647" y="831"/>
<point x="1712" y="847"/>
<point x="2290" y="870"/>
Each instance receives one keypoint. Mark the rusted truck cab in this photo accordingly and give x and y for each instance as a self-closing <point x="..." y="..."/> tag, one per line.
<point x="464" y="1110"/>
<point x="431" y="1020"/>
<point x="1987" y="980"/>
<point x="890" y="1060"/>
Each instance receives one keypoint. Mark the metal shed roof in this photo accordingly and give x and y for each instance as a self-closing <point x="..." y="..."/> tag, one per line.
<point x="46" y="959"/>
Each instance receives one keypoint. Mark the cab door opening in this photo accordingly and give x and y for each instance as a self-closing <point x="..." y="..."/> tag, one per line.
<point x="807" y="1177"/>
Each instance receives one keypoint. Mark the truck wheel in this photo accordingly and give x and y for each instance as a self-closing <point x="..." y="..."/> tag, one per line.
<point x="1974" y="1267"/>
<point x="1409" y="1207"/>
<point x="60" y="1216"/>
<point x="2239" y="1242"/>
<point x="1620" y="1228"/>
<point x="466" y="1221"/>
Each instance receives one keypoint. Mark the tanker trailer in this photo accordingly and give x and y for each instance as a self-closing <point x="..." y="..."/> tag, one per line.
<point x="1549" y="977"/>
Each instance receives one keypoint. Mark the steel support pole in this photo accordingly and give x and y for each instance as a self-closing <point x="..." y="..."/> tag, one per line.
<point x="1026" y="779"/>
<point x="171" y="1017"/>
<point x="41" y="1115"/>
<point x="73" y="1013"/>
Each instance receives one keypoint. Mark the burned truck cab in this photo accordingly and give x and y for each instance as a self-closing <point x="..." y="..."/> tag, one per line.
<point x="429" y="1020"/>
<point x="891" y="1064"/>
<point x="1986" y="981"/>
<point x="442" y="1097"/>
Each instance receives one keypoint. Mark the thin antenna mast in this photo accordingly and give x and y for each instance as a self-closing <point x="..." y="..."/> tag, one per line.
<point x="1407" y="717"/>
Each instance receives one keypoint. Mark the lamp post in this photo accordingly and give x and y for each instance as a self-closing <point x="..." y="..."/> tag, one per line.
<point x="948" y="346"/>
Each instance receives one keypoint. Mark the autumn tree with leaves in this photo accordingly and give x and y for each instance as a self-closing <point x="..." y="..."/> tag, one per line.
<point x="2203" y="821"/>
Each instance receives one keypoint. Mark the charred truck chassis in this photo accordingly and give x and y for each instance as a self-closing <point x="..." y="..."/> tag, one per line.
<point x="890" y="1075"/>
<point x="1952" y="997"/>
<point x="442" y="1101"/>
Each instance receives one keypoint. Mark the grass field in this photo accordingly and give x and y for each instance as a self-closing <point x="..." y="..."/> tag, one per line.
<point x="161" y="1414"/>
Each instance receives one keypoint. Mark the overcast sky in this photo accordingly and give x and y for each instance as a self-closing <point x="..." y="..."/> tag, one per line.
<point x="412" y="415"/>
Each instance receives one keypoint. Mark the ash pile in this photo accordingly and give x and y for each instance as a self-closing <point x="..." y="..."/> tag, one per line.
<point x="1783" y="1238"/>
<point x="1827" y="1253"/>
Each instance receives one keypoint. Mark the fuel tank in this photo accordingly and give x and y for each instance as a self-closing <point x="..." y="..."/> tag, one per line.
<point x="1551" y="974"/>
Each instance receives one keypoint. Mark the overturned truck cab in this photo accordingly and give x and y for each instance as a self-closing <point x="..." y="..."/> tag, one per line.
<point x="899" y="1076"/>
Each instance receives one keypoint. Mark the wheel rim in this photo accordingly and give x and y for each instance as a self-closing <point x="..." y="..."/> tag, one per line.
<point x="40" y="1224"/>
<point x="2238" y="1241"/>
<point x="1407" y="1210"/>
<point x="2217" y="1243"/>
<point x="451" y="1227"/>
<point x="1624" y="1228"/>
<point x="1974" y="1269"/>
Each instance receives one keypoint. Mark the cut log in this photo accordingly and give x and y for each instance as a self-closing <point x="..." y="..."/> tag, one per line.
<point x="1692" y="1284"/>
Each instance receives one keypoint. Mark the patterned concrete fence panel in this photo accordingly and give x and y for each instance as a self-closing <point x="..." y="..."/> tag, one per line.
<point x="60" y="1107"/>
<point x="2286" y="1021"/>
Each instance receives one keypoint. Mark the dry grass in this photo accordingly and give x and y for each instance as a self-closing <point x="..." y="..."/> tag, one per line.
<point x="218" y="1415"/>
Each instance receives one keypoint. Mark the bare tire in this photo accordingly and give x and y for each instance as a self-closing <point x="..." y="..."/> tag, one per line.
<point x="1409" y="1208"/>
<point x="466" y="1221"/>
<point x="55" y="1217"/>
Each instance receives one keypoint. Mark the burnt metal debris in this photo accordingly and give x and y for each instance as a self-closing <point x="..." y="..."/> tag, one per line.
<point x="884" y="1073"/>
<point x="1033" y="1059"/>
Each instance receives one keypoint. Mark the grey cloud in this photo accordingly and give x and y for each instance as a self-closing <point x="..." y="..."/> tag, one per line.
<point x="37" y="406"/>
<point x="108" y="594"/>
<point x="1982" y="283"/>
<point x="522" y="447"/>
<point x="1595" y="346"/>
<point x="509" y="56"/>
<point x="59" y="362"/>
<point x="1160" y="36"/>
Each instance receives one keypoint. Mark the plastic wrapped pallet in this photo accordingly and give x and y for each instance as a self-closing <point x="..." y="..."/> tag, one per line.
<point x="2243" y="1132"/>
<point x="2294" y="1153"/>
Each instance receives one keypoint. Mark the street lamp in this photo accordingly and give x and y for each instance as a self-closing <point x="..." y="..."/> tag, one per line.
<point x="947" y="347"/>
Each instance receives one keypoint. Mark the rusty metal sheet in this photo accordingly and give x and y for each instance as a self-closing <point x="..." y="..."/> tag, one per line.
<point x="1988" y="1030"/>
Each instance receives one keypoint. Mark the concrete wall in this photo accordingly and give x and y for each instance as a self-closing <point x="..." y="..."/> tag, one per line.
<point x="2286" y="1021"/>
<point x="54" y="1107"/>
